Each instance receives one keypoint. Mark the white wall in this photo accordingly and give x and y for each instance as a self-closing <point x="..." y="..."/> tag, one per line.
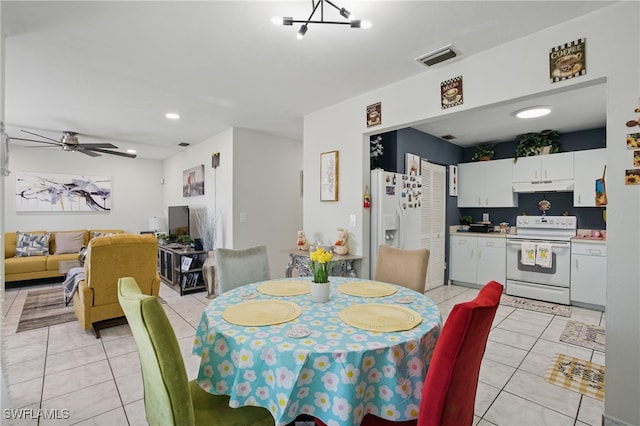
<point x="136" y="190"/>
<point x="613" y="54"/>
<point x="218" y="181"/>
<point x="258" y="176"/>
<point x="267" y="205"/>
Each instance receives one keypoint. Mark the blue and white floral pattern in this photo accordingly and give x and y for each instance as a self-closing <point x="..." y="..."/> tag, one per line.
<point x="337" y="373"/>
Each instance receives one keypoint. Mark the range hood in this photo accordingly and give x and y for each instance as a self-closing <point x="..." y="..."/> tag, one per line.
<point x="565" y="185"/>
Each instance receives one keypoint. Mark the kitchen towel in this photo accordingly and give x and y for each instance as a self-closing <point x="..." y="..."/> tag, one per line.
<point x="544" y="256"/>
<point x="528" y="253"/>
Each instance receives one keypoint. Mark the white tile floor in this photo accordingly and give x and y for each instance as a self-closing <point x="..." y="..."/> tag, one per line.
<point x="98" y="380"/>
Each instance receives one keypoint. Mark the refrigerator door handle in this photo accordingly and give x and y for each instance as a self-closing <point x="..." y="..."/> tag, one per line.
<point x="401" y="226"/>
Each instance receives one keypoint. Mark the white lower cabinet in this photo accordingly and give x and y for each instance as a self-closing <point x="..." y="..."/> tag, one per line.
<point x="589" y="274"/>
<point x="477" y="260"/>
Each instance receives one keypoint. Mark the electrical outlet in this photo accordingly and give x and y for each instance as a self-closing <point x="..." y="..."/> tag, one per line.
<point x="352" y="220"/>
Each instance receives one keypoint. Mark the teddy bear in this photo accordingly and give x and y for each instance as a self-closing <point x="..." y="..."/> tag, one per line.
<point x="303" y="244"/>
<point x="341" y="245"/>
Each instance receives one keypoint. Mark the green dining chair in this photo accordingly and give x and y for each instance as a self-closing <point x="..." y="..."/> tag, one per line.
<point x="169" y="398"/>
<point x="235" y="268"/>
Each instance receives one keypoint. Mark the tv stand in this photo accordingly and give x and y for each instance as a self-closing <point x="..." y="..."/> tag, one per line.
<point x="181" y="268"/>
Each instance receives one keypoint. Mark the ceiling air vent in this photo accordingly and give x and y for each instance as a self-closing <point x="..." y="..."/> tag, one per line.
<point x="437" y="56"/>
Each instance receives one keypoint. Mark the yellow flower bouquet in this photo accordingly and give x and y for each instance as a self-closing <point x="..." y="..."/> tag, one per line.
<point x="320" y="265"/>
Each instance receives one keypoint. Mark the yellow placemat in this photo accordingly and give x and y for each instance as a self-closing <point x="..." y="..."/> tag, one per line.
<point x="367" y="288"/>
<point x="380" y="317"/>
<point x="285" y="288"/>
<point x="261" y="312"/>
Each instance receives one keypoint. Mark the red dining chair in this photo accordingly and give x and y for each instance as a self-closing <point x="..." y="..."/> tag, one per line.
<point x="449" y="392"/>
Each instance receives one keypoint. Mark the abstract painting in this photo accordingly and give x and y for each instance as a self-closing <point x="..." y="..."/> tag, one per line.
<point x="52" y="192"/>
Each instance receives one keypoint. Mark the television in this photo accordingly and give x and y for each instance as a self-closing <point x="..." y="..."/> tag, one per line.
<point x="178" y="221"/>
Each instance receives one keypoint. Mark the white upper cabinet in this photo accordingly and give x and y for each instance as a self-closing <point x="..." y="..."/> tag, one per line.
<point x="588" y="166"/>
<point x="486" y="184"/>
<point x="542" y="168"/>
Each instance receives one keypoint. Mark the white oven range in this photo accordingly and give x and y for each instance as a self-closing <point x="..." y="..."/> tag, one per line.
<point x="546" y="282"/>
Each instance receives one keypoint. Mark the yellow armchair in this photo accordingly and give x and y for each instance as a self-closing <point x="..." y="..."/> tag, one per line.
<point x="110" y="258"/>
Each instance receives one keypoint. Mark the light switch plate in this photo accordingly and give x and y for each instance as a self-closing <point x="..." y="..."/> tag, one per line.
<point x="352" y="220"/>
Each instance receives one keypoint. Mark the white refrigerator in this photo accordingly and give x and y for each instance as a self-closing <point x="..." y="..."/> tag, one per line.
<point x="396" y="212"/>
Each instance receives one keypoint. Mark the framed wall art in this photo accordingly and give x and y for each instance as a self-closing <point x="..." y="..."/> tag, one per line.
<point x="411" y="164"/>
<point x="329" y="176"/>
<point x="193" y="181"/>
<point x="53" y="192"/>
<point x="568" y="60"/>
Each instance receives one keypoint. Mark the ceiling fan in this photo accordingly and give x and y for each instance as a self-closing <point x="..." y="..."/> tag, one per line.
<point x="69" y="142"/>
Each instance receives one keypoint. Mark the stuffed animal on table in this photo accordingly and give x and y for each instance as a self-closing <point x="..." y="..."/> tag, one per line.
<point x="303" y="244"/>
<point x="341" y="245"/>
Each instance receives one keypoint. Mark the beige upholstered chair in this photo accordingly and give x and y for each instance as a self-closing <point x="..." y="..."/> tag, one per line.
<point x="407" y="268"/>
<point x="239" y="267"/>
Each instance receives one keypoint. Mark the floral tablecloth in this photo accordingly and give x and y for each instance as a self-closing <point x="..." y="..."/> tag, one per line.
<point x="337" y="373"/>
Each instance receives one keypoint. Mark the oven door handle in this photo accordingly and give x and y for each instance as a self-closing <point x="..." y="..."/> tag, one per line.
<point x="519" y="242"/>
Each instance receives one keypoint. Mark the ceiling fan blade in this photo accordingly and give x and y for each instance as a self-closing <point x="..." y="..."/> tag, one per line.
<point x="88" y="152"/>
<point x="96" y="145"/>
<point x="40" y="136"/>
<point x="32" y="140"/>
<point x="122" y="154"/>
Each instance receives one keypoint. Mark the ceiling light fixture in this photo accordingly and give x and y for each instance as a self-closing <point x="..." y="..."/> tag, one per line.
<point x="172" y="116"/>
<point x="353" y="23"/>
<point x="533" y="112"/>
<point x="132" y="151"/>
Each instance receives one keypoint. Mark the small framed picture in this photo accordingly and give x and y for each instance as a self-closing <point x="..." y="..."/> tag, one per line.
<point x="412" y="164"/>
<point x="186" y="263"/>
<point x="329" y="176"/>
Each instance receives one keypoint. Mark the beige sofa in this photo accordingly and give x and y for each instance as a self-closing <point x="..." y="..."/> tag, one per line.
<point x="38" y="265"/>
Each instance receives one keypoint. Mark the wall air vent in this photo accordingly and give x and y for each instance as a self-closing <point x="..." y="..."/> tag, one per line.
<point x="184" y="144"/>
<point x="437" y="56"/>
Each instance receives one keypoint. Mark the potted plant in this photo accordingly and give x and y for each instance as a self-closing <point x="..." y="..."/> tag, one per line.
<point x="484" y="152"/>
<point x="163" y="238"/>
<point x="465" y="221"/>
<point x="320" y="264"/>
<point x="545" y="142"/>
<point x="184" y="239"/>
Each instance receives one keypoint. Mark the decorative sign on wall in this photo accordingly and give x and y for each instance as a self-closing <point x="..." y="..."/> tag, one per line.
<point x="453" y="181"/>
<point x="52" y="192"/>
<point x="193" y="181"/>
<point x="411" y="164"/>
<point x="568" y="60"/>
<point x="451" y="92"/>
<point x="374" y="114"/>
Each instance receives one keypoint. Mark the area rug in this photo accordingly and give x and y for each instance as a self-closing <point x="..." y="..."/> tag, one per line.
<point x="577" y="375"/>
<point x="45" y="307"/>
<point x="585" y="335"/>
<point x="536" y="305"/>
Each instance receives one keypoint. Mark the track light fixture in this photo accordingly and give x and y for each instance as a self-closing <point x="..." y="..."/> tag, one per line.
<point x="319" y="4"/>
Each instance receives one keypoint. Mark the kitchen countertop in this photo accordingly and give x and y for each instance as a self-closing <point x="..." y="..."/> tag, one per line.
<point x="590" y="240"/>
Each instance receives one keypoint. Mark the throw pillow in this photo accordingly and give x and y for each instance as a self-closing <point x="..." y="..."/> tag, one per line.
<point x="32" y="244"/>
<point x="102" y="234"/>
<point x="69" y="242"/>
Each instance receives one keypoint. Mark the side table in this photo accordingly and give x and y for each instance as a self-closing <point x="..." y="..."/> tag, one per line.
<point x="342" y="264"/>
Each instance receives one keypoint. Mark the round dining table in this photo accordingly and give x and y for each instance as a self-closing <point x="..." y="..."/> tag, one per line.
<point x="314" y="362"/>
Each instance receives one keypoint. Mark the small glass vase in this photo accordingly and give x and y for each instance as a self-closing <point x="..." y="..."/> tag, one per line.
<point x="320" y="292"/>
